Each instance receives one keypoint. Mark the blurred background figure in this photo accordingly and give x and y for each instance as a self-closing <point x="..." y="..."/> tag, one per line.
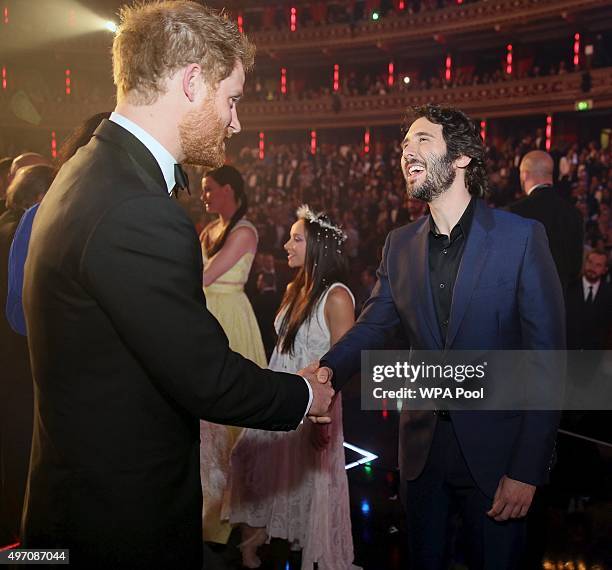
<point x="229" y="244"/>
<point x="28" y="186"/>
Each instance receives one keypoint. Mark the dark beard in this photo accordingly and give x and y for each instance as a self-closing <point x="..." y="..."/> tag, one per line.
<point x="439" y="178"/>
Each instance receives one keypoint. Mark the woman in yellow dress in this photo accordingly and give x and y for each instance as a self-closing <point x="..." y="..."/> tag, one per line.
<point x="228" y="248"/>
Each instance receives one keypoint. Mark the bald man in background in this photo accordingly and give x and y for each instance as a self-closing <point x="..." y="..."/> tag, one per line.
<point x="560" y="218"/>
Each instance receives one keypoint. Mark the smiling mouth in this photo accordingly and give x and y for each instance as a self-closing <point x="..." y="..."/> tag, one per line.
<point x="414" y="170"/>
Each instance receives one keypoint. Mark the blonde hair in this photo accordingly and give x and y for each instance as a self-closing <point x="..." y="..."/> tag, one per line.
<point x="157" y="38"/>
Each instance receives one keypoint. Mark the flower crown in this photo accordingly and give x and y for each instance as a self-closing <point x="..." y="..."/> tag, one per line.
<point x="306" y="213"/>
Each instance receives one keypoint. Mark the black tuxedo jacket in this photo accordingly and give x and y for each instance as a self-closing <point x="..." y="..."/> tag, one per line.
<point x="126" y="358"/>
<point x="588" y="325"/>
<point x="563" y="225"/>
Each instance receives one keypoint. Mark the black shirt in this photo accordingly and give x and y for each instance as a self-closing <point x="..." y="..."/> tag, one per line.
<point x="445" y="255"/>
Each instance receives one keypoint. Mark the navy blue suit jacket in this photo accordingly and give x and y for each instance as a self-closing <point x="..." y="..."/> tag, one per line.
<point x="507" y="296"/>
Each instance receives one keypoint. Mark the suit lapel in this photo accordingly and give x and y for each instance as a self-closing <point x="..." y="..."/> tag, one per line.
<point x="144" y="162"/>
<point x="419" y="251"/>
<point x="472" y="261"/>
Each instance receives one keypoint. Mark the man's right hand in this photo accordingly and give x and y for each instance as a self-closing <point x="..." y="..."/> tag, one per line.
<point x="322" y="394"/>
<point x="322" y="376"/>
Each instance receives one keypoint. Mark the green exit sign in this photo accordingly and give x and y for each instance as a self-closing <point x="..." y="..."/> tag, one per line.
<point x="584" y="105"/>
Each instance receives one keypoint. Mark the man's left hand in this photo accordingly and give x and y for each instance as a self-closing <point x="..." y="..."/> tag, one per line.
<point x="512" y="499"/>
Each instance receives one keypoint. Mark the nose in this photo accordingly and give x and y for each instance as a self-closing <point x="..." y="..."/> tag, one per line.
<point x="286" y="246"/>
<point x="235" y="123"/>
<point x="409" y="151"/>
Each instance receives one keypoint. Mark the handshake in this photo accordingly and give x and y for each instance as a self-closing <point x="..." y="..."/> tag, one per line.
<point x="323" y="394"/>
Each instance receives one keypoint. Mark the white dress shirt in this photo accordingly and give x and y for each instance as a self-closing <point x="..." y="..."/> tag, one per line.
<point x="165" y="160"/>
<point x="585" y="288"/>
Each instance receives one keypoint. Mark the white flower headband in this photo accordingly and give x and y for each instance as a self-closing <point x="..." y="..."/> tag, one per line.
<point x="306" y="213"/>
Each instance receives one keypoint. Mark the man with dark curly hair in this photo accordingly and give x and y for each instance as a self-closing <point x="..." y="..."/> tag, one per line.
<point x="466" y="277"/>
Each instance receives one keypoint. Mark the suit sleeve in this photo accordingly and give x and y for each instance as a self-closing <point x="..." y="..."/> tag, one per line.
<point x="377" y="321"/>
<point x="542" y="315"/>
<point x="142" y="263"/>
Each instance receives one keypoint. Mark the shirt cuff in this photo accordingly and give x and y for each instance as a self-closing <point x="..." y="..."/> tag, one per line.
<point x="310" y="396"/>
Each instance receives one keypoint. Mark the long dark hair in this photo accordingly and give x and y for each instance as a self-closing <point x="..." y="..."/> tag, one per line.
<point x="222" y="176"/>
<point x="79" y="137"/>
<point x="325" y="263"/>
<point x="462" y="138"/>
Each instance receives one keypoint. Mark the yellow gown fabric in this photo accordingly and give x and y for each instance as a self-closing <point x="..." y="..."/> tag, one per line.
<point x="227" y="301"/>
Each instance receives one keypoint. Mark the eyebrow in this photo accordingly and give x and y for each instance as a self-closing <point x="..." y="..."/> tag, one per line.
<point x="418" y="134"/>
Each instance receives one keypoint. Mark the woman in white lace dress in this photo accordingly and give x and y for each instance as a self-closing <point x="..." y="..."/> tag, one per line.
<point x="293" y="485"/>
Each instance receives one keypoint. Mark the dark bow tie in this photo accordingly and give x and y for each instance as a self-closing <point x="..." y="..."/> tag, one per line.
<point x="181" y="180"/>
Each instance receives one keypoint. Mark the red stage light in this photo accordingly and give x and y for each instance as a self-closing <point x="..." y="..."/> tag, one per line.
<point x="576" y="49"/>
<point x="509" y="59"/>
<point x="293" y="19"/>
<point x="366" y="141"/>
<point x="68" y="82"/>
<point x="313" y="142"/>
<point x="4" y="78"/>
<point x="53" y="145"/>
<point x="6" y="15"/>
<point x="549" y="123"/>
<point x="262" y="146"/>
<point x="336" y="77"/>
<point x="240" y="23"/>
<point x="283" y="86"/>
<point x="449" y="67"/>
<point x="483" y="130"/>
<point x="10" y="546"/>
<point x="391" y="77"/>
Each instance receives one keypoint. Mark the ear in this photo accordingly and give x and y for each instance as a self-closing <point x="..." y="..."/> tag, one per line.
<point x="227" y="190"/>
<point x="192" y="81"/>
<point x="462" y="161"/>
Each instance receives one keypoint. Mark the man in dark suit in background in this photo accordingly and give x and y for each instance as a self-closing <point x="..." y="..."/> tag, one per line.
<point x="467" y="277"/>
<point x="589" y="306"/>
<point x="561" y="219"/>
<point x="125" y="356"/>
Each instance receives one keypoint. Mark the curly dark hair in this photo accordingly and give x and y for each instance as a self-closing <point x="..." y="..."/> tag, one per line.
<point x="462" y="138"/>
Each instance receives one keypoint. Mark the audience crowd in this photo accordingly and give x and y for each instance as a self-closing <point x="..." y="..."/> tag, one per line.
<point x="366" y="193"/>
<point x="363" y="82"/>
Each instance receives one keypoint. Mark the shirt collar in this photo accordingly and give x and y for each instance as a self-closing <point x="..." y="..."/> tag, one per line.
<point x="463" y="225"/>
<point x="163" y="157"/>
<point x="586" y="284"/>
<point x="537" y="187"/>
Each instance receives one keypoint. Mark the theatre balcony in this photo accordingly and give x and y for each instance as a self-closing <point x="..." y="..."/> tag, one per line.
<point x="545" y="95"/>
<point x="406" y="34"/>
<point x="538" y="95"/>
